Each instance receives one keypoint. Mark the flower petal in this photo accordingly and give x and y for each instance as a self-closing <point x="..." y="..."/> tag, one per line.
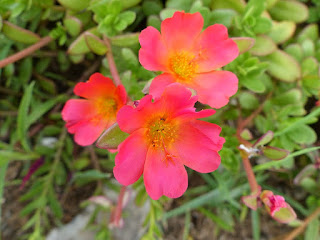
<point x="212" y="131"/>
<point x="215" y="88"/>
<point x="86" y="133"/>
<point x="162" y="177"/>
<point x="130" y="160"/>
<point x="153" y="52"/>
<point x="216" y="48"/>
<point x="196" y="150"/>
<point x="137" y="116"/>
<point x="180" y="31"/>
<point x="77" y="109"/>
<point x="97" y="86"/>
<point x="159" y="83"/>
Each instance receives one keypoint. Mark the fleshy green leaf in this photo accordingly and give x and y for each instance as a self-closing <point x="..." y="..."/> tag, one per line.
<point x="264" y="45"/>
<point x="283" y="66"/>
<point x="95" y="44"/>
<point x="244" y="43"/>
<point x="125" y="40"/>
<point x="75" y="5"/>
<point x="73" y="25"/>
<point x="79" y="46"/>
<point x="290" y="10"/>
<point x="282" y="31"/>
<point x="264" y="139"/>
<point x="19" y="34"/>
<point x="274" y="153"/>
<point x="111" y="138"/>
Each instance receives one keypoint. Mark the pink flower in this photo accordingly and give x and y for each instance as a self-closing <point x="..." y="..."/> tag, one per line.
<point x="277" y="207"/>
<point x="186" y="55"/>
<point x="164" y="136"/>
<point x="88" y="118"/>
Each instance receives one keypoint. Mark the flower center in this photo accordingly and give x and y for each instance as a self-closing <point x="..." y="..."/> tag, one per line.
<point x="183" y="65"/>
<point x="161" y="132"/>
<point x="106" y="109"/>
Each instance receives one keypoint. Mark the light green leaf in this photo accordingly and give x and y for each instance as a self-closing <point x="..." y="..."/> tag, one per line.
<point x="111" y="138"/>
<point x="264" y="45"/>
<point x="19" y="34"/>
<point x="283" y="66"/>
<point x="290" y="10"/>
<point x="282" y="31"/>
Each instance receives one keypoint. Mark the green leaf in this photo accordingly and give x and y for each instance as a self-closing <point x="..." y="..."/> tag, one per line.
<point x="216" y="219"/>
<point x="82" y="178"/>
<point x="264" y="45"/>
<point x="237" y="5"/>
<point x="262" y="26"/>
<point x="23" y="116"/>
<point x="302" y="134"/>
<point x="75" y="5"/>
<point x="283" y="66"/>
<point x="3" y="170"/>
<point x="311" y="31"/>
<point x="244" y="43"/>
<point x="309" y="66"/>
<point x="40" y="109"/>
<point x="301" y="121"/>
<point x="125" y="40"/>
<point x="19" y="34"/>
<point x="295" y="50"/>
<point x="79" y="46"/>
<point x="290" y="10"/>
<point x="223" y="16"/>
<point x="253" y="84"/>
<point x="73" y="25"/>
<point x="312" y="231"/>
<point x="111" y="138"/>
<point x="264" y="139"/>
<point x="282" y="31"/>
<point x="248" y="100"/>
<point x="290" y="97"/>
<point x="8" y="155"/>
<point x="54" y="204"/>
<point x="274" y="153"/>
<point x="277" y="164"/>
<point x="95" y="44"/>
<point x="167" y="13"/>
<point x="129" y="3"/>
<point x="308" y="47"/>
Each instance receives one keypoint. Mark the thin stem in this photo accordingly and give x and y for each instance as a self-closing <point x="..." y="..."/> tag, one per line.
<point x="118" y="210"/>
<point x="112" y="65"/>
<point x="248" y="168"/>
<point x="301" y="228"/>
<point x="25" y="52"/>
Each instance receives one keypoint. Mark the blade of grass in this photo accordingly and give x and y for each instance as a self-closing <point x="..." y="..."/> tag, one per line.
<point x="255" y="222"/>
<point x="23" y="116"/>
<point x="186" y="229"/>
<point x="3" y="171"/>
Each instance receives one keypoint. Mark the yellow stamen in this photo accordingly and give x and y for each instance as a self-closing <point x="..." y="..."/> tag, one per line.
<point x="183" y="65"/>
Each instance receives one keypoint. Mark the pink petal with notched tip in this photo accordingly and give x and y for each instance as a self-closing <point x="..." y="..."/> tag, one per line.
<point x="180" y="31"/>
<point x="153" y="54"/>
<point x="215" y="88"/>
<point x="164" y="178"/>
<point x="215" y="48"/>
<point x="196" y="150"/>
<point x="98" y="86"/>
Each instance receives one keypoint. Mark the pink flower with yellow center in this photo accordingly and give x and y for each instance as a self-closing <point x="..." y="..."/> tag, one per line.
<point x="88" y="118"/>
<point x="191" y="57"/>
<point x="164" y="136"/>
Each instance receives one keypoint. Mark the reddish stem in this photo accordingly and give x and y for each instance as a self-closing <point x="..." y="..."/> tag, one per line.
<point x="248" y="168"/>
<point x="112" y="65"/>
<point x="25" y="52"/>
<point x="118" y="210"/>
